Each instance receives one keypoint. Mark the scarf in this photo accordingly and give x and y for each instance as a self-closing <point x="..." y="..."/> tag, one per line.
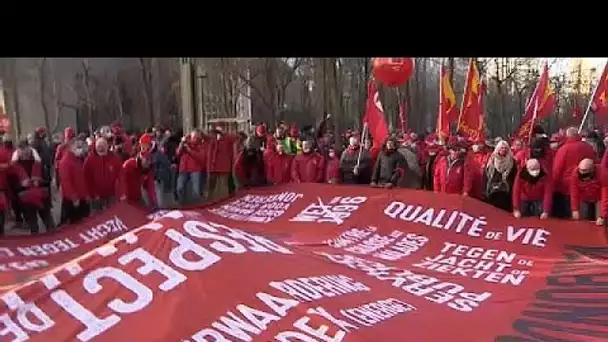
<point x="502" y="165"/>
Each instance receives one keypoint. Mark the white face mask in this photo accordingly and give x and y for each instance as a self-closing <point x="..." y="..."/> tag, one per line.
<point x="554" y="145"/>
<point x="353" y="142"/>
<point x="534" y="173"/>
<point x="432" y="153"/>
<point x="476" y="148"/>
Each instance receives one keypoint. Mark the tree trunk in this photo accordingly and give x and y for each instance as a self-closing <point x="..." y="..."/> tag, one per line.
<point x="147" y="87"/>
<point x="14" y="94"/>
<point x="87" y="91"/>
<point x="423" y="99"/>
<point x="42" y="83"/>
<point x="56" y="96"/>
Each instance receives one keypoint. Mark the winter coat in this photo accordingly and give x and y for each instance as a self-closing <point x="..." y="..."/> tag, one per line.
<point x="499" y="190"/>
<point x="73" y="182"/>
<point x="278" y="167"/>
<point x="135" y="178"/>
<point x="5" y="170"/>
<point x="192" y="157"/>
<point x="450" y="176"/>
<point x="308" y="168"/>
<point x="102" y="174"/>
<point x="475" y="164"/>
<point x="412" y="177"/>
<point x="220" y="154"/>
<point x="249" y="168"/>
<point x="566" y="160"/>
<point x="584" y="190"/>
<point x="389" y="168"/>
<point x="528" y="188"/>
<point x="347" y="164"/>
<point x="546" y="161"/>
<point x="46" y="159"/>
<point x="332" y="170"/>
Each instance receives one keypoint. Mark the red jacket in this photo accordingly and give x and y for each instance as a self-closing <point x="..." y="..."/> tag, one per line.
<point x="475" y="165"/>
<point x="308" y="168"/>
<point x="135" y="178"/>
<point x="220" y="154"/>
<point x="73" y="183"/>
<point x="546" y="162"/>
<point x="5" y="168"/>
<point x="60" y="153"/>
<point x="566" y="161"/>
<point x="587" y="191"/>
<point x="524" y="190"/>
<point x="192" y="157"/>
<point x="102" y="174"/>
<point x="278" y="167"/>
<point x="450" y="179"/>
<point x="332" y="170"/>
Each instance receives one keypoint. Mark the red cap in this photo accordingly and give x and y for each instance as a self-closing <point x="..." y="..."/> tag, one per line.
<point x="145" y="139"/>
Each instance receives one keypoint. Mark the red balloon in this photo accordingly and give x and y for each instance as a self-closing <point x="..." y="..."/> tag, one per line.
<point x="393" y="71"/>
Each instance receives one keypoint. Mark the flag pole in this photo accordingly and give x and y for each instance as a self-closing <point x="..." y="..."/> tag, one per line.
<point x="362" y="143"/>
<point x="580" y="127"/>
<point x="440" y="119"/>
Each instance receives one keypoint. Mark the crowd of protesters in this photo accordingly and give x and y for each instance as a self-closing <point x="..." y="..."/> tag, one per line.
<point x="559" y="176"/>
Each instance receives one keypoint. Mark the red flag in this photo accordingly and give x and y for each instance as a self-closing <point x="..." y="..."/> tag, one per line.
<point x="540" y="105"/>
<point x="402" y="116"/>
<point x="374" y="116"/>
<point x="470" y="122"/>
<point x="448" y="111"/>
<point x="482" y="95"/>
<point x="599" y="102"/>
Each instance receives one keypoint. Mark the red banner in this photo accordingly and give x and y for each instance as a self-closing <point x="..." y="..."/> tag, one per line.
<point x="315" y="262"/>
<point x="24" y="257"/>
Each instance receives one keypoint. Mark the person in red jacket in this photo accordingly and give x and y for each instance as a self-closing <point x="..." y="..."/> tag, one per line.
<point x="5" y="167"/>
<point x="332" y="169"/>
<point x="532" y="191"/>
<point x="74" y="190"/>
<point x="308" y="166"/>
<point x="539" y="149"/>
<point x="68" y="135"/>
<point x="102" y="171"/>
<point x="192" y="169"/>
<point x="220" y="158"/>
<point x="137" y="178"/>
<point x="26" y="177"/>
<point x="565" y="163"/>
<point x="278" y="165"/>
<point x="249" y="166"/>
<point x="475" y="164"/>
<point x="450" y="172"/>
<point x="585" y="191"/>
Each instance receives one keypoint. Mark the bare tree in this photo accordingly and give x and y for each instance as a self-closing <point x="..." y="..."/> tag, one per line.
<point x="42" y="82"/>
